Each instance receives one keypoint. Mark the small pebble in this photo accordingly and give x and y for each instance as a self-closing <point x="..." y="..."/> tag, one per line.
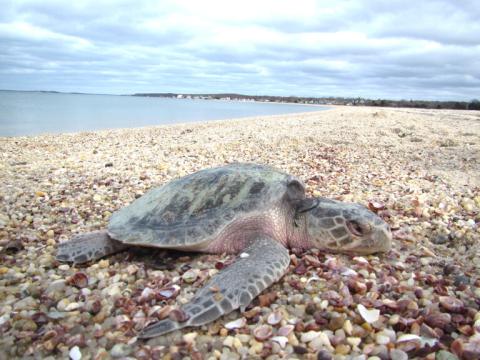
<point x="461" y="280"/>
<point x="451" y="303"/>
<point x="237" y="344"/>
<point x="228" y="341"/>
<point x="394" y="319"/>
<point x="120" y="350"/>
<point x="440" y="239"/>
<point x="27" y="303"/>
<point x="382" y="339"/>
<point x="309" y="336"/>
<point x="445" y="355"/>
<point x="72" y="306"/>
<point x="396" y="354"/>
<point x="347" y="326"/>
<point x="324" y="355"/>
<point x="342" y="349"/>
<point x="103" y="264"/>
<point x="62" y="305"/>
<point x="337" y="322"/>
<point x="190" y="275"/>
<point x="255" y="347"/>
<point x="300" y="350"/>
<point x="189" y="337"/>
<point x="354" y="341"/>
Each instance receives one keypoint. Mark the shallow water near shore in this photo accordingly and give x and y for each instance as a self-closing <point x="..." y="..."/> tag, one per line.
<point x="33" y="113"/>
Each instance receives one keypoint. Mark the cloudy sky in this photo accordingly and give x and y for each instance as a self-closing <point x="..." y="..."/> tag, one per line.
<point x="377" y="49"/>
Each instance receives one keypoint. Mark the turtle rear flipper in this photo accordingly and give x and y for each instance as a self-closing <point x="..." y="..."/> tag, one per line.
<point x="259" y="266"/>
<point x="90" y="246"/>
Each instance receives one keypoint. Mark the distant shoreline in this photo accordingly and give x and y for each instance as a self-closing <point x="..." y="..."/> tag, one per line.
<point x="473" y="104"/>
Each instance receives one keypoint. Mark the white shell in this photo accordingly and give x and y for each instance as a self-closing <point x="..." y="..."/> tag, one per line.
<point x="236" y="324"/>
<point x="408" y="337"/>
<point x="369" y="315"/>
<point x="282" y="340"/>
<point x="75" y="353"/>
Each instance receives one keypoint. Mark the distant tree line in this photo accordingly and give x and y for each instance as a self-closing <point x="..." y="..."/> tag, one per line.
<point x="457" y="105"/>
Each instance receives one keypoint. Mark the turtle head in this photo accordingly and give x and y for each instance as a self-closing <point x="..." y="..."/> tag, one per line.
<point x="345" y="227"/>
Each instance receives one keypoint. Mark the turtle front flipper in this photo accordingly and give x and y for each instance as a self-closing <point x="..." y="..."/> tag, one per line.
<point x="90" y="246"/>
<point x="259" y="266"/>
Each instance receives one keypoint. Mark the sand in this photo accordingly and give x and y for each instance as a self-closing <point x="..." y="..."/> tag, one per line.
<point x="417" y="168"/>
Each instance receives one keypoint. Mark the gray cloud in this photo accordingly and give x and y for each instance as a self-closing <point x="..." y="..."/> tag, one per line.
<point x="429" y="50"/>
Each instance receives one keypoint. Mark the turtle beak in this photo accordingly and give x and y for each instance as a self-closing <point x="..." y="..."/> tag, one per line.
<point x="382" y="239"/>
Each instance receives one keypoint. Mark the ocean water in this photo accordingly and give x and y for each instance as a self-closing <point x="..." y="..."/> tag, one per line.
<point x="33" y="113"/>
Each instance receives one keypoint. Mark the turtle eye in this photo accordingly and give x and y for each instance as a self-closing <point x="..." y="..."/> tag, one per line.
<point x="356" y="229"/>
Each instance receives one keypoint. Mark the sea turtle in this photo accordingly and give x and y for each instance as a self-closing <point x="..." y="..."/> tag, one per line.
<point x="248" y="209"/>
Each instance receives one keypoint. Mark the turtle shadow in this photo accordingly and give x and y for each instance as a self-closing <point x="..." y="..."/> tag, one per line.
<point x="159" y="259"/>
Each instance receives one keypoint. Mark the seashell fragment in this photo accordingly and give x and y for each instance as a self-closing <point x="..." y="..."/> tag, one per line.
<point x="376" y="206"/>
<point x="274" y="318"/>
<point x="356" y="286"/>
<point x="160" y="313"/>
<point x="348" y="272"/>
<point x="236" y="324"/>
<point x="281" y="340"/>
<point x="369" y="315"/>
<point x="451" y="304"/>
<point x="75" y="353"/>
<point x="168" y="293"/>
<point x="191" y="275"/>
<point x="313" y="278"/>
<point x="309" y="336"/>
<point x="263" y="332"/>
<point x="285" y="330"/>
<point x="79" y="280"/>
<point x="360" y="260"/>
<point x="408" y="337"/>
<point x="147" y="294"/>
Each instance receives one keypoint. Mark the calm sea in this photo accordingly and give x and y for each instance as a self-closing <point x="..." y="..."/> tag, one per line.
<point x="32" y="113"/>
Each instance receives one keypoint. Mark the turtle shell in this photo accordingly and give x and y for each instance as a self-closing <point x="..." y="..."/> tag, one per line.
<point x="193" y="209"/>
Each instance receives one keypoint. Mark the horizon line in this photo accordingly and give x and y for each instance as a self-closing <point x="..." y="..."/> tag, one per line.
<point x="237" y="94"/>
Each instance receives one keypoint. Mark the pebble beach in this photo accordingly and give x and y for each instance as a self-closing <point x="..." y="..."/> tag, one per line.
<point x="416" y="168"/>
